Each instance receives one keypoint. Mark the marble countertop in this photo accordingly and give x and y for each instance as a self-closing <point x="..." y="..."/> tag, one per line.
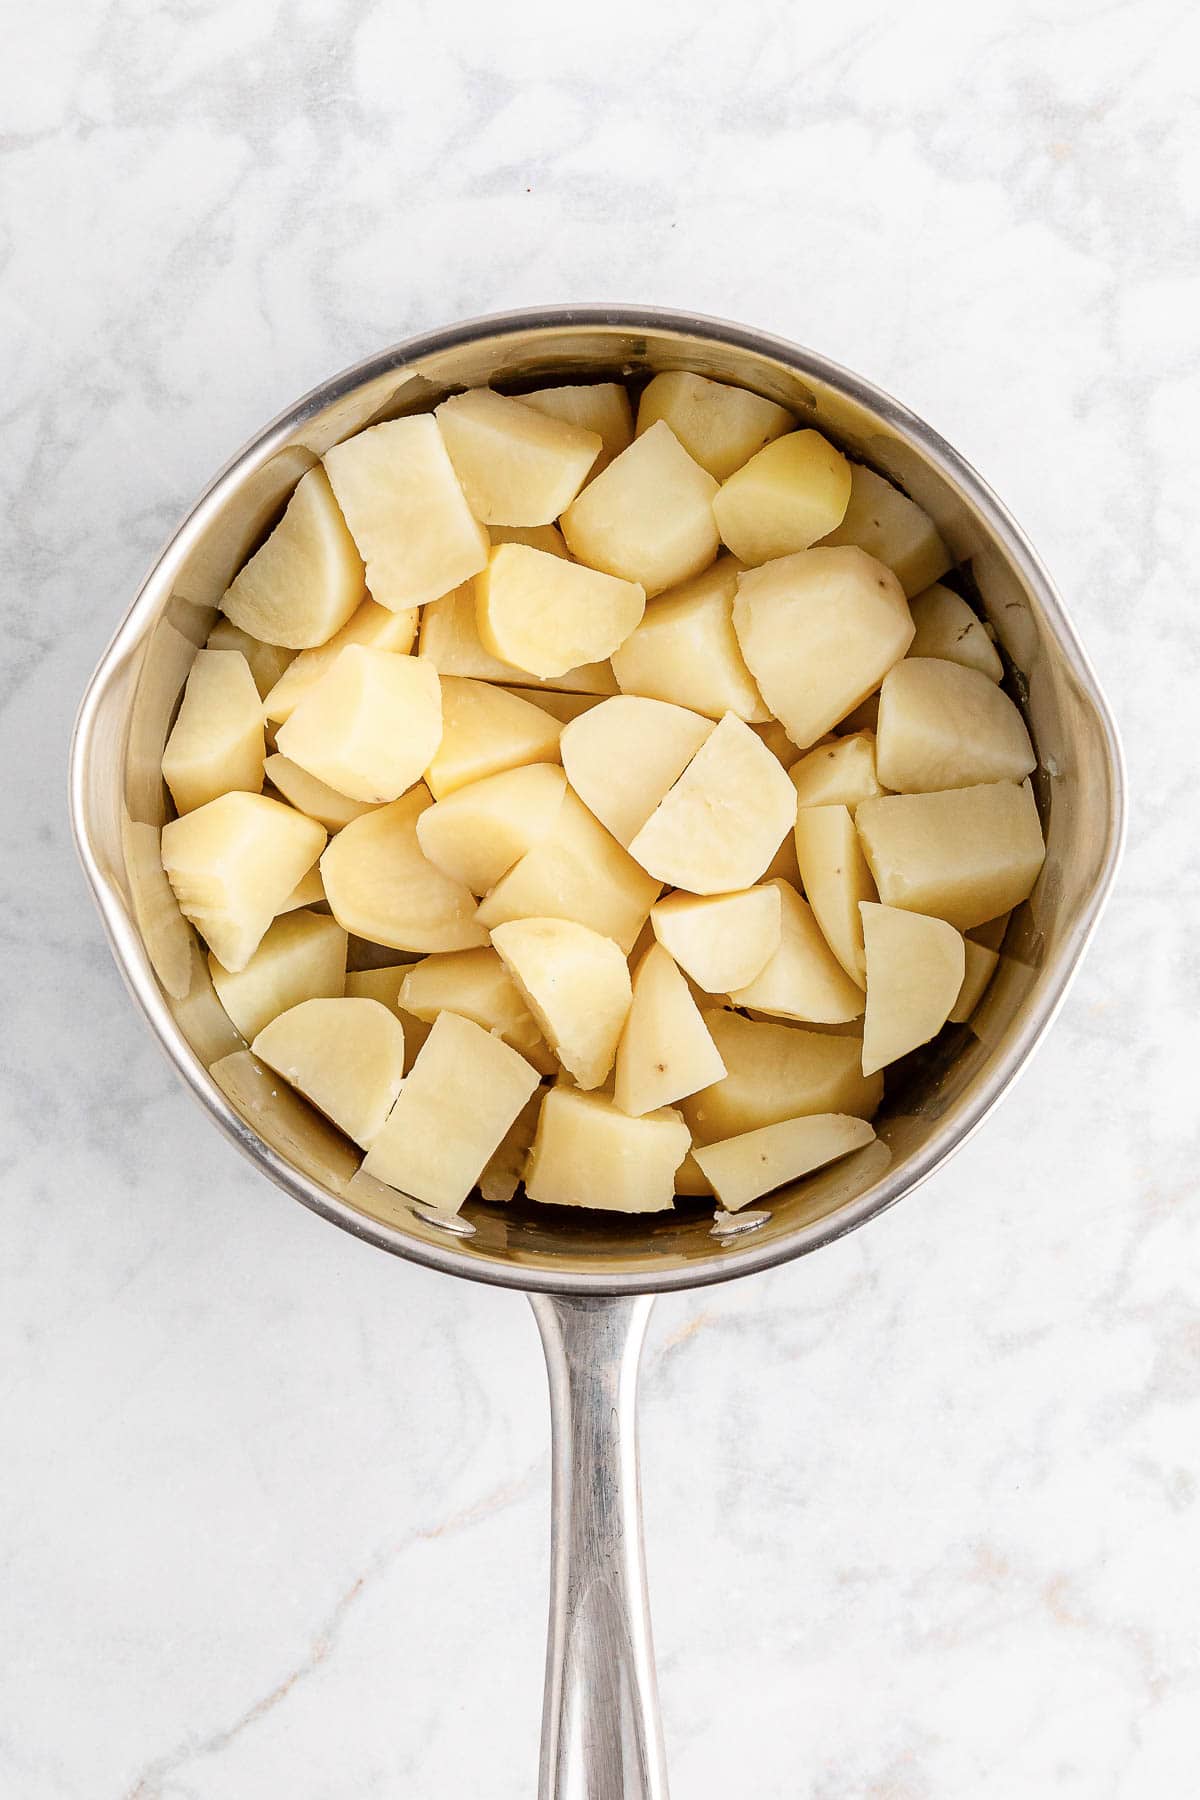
<point x="922" y="1511"/>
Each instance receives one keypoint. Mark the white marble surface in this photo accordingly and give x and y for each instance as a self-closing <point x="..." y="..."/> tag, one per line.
<point x="922" y="1511"/>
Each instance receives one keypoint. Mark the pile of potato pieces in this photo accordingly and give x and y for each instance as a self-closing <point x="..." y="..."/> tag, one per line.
<point x="688" y="793"/>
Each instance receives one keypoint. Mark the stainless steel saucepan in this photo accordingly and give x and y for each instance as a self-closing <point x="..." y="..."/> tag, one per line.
<point x="592" y="1283"/>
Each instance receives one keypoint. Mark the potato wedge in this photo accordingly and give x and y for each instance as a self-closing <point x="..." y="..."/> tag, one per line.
<point x="267" y="662"/>
<point x="720" y="427"/>
<point x="478" y="832"/>
<point x="665" y="1049"/>
<point x="384" y="985"/>
<point x="838" y="773"/>
<point x="686" y="651"/>
<point x="803" y="980"/>
<point x="777" y="1072"/>
<point x="893" y="529"/>
<point x="947" y="627"/>
<point x="942" y="725"/>
<point x="376" y="626"/>
<point x="369" y="726"/>
<point x="743" y="1168"/>
<point x="577" y="986"/>
<point x="599" y="406"/>
<point x="476" y="985"/>
<point x="345" y="1056"/>
<point x="622" y="756"/>
<point x="791" y="493"/>
<point x="217" y="742"/>
<point x="965" y="855"/>
<point x="517" y="466"/>
<point x="307" y="579"/>
<point x="978" y="969"/>
<point x="301" y="957"/>
<point x="648" y="518"/>
<point x="545" y="616"/>
<point x="233" y="863"/>
<point x="836" y="880"/>
<point x="382" y="886"/>
<point x="450" y="641"/>
<point x="308" y="795"/>
<point x="915" y="970"/>
<point x="484" y="731"/>
<point x="721" y="940"/>
<point x="587" y="1152"/>
<point x="504" y="1170"/>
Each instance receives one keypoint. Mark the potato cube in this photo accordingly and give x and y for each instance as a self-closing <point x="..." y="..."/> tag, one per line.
<point x="686" y="651"/>
<point x="217" y="742"/>
<point x="785" y="498"/>
<point x="721" y="940"/>
<point x="369" y="726"/>
<point x="978" y="969"/>
<point x="306" y="580"/>
<point x="308" y="795"/>
<point x="724" y="819"/>
<point x="384" y="985"/>
<point x="505" y="1167"/>
<point x="345" y="1056"/>
<point x="893" y="529"/>
<point x="836" y="880"/>
<point x="838" y="773"/>
<point x="516" y="465"/>
<point x="376" y="626"/>
<point x="719" y="426"/>
<point x="819" y="631"/>
<point x="945" y="726"/>
<point x="649" y="517"/>
<point x="577" y="986"/>
<point x="477" y="833"/>
<point x="538" y="537"/>
<point x="964" y="855"/>
<point x="546" y="616"/>
<point x="623" y="755"/>
<point x="777" y="1072"/>
<point x="803" y="980"/>
<point x="267" y="661"/>
<point x="476" y="985"/>
<point x="402" y="500"/>
<point x="915" y="970"/>
<point x="587" y="1152"/>
<point x="233" y="863"/>
<point x="599" y="406"/>
<point x="484" y="731"/>
<point x="742" y="1168"/>
<point x="947" y="627"/>
<point x="302" y="957"/>
<point x="450" y="641"/>
<point x="665" y="1050"/>
<point x="464" y="1091"/>
<point x="382" y="886"/>
<point x="578" y="872"/>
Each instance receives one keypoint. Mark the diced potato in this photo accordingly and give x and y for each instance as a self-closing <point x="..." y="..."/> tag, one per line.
<point x="623" y="755"/>
<point x="587" y="1152"/>
<point x="893" y="529"/>
<point x="686" y="651"/>
<point x="308" y="891"/>
<point x="839" y="773"/>
<point x="308" y="795"/>
<point x="836" y="880"/>
<point x="665" y="1050"/>
<point x="217" y="742"/>
<point x="505" y="1167"/>
<point x="307" y="578"/>
<point x="743" y="1168"/>
<point x="691" y="1180"/>
<point x="820" y="630"/>
<point x="477" y="833"/>
<point x="992" y="932"/>
<point x="484" y="731"/>
<point x="721" y="823"/>
<point x="516" y="465"/>
<point x="464" y="1091"/>
<point x="721" y="940"/>
<point x="577" y="986"/>
<point x="579" y="872"/>
<point x="301" y="957"/>
<point x="947" y="627"/>
<point x="720" y="427"/>
<point x="803" y="980"/>
<point x="376" y="626"/>
<point x="978" y="969"/>
<point x="599" y="406"/>
<point x="915" y="969"/>
<point x="778" y="1072"/>
<point x="384" y="985"/>
<point x="538" y="537"/>
<point x="476" y="985"/>
<point x="648" y="518"/>
<point x="267" y="661"/>
<point x="369" y="726"/>
<point x="346" y="1056"/>
<point x="964" y="855"/>
<point x="541" y="614"/>
<point x="563" y="707"/>
<point x="233" y="863"/>
<point x="786" y="497"/>
<point x="945" y="726"/>
<point x="382" y="886"/>
<point x="450" y="641"/>
<point x="402" y="500"/>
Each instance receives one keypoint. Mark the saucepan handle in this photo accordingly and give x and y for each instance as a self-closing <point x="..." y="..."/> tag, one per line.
<point x="601" y="1732"/>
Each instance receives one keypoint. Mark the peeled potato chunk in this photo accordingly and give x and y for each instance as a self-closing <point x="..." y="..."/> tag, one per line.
<point x="742" y="1168"/>
<point x="543" y="615"/>
<point x="587" y="1152"/>
<point x="803" y="980"/>
<point x="777" y="1072"/>
<point x="346" y="1056"/>
<point x="719" y="426"/>
<point x="302" y="957"/>
<point x="964" y="855"/>
<point x="599" y="406"/>
<point x="722" y="822"/>
<point x="836" y="880"/>
<point x="373" y="625"/>
<point x="402" y="500"/>
<point x="945" y="726"/>
<point x="233" y="864"/>
<point x="839" y="773"/>
<point x="308" y="795"/>
<point x="648" y="518"/>
<point x="623" y="755"/>
<point x="476" y="985"/>
<point x="978" y="969"/>
<point x="947" y="627"/>
<point x="686" y="651"/>
<point x="384" y="985"/>
<point x="307" y="578"/>
<point x="577" y="986"/>
<point x="267" y="661"/>
<point x="504" y="1170"/>
<point x="382" y="886"/>
<point x="516" y="465"/>
<point x="484" y="731"/>
<point x="665" y="1050"/>
<point x="578" y="872"/>
<point x="478" y="832"/>
<point x="217" y="742"/>
<point x="915" y="969"/>
<point x="893" y="529"/>
<point x="450" y="641"/>
<point x="786" y="497"/>
<point x="369" y="726"/>
<point x="538" y="537"/>
<point x="721" y="940"/>
<point x="462" y="1094"/>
